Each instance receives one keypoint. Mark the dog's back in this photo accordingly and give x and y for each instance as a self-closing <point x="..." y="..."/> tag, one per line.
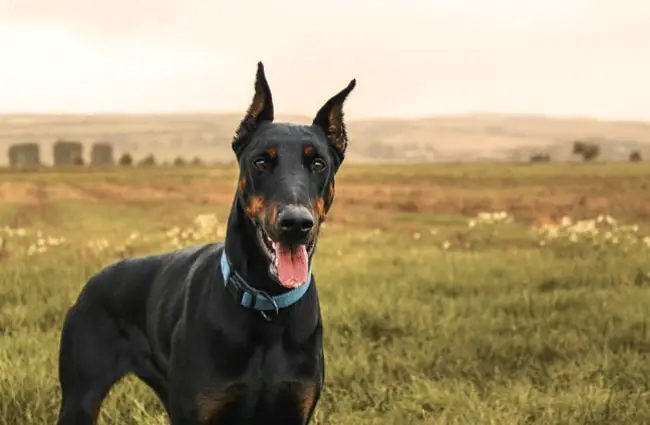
<point x="148" y="292"/>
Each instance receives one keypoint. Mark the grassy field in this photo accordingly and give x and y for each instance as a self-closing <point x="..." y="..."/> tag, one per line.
<point x="474" y="294"/>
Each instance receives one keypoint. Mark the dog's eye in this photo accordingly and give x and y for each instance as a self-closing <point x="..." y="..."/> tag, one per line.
<point x="260" y="163"/>
<point x="318" y="165"/>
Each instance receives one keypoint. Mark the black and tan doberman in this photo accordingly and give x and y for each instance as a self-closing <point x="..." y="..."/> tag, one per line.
<point x="229" y="332"/>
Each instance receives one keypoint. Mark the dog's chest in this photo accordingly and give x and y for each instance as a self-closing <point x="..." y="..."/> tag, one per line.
<point x="277" y="384"/>
<point x="276" y="364"/>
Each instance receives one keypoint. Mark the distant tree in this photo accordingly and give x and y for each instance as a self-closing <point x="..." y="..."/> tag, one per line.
<point x="179" y="162"/>
<point x="540" y="157"/>
<point x="77" y="160"/>
<point x="589" y="151"/>
<point x="148" y="161"/>
<point x="196" y="161"/>
<point x="635" y="156"/>
<point x="126" y="160"/>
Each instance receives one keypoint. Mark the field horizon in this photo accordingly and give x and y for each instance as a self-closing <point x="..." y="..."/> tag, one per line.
<point x="445" y="138"/>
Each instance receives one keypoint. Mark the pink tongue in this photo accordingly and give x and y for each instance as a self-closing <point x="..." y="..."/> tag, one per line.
<point x="292" y="266"/>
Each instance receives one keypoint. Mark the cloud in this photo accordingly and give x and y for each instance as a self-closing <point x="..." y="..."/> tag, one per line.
<point x="418" y="57"/>
<point x="52" y="69"/>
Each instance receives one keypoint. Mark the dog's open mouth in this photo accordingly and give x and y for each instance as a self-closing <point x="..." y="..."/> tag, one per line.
<point x="290" y="264"/>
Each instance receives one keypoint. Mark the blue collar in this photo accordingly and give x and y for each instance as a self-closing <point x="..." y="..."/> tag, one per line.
<point x="254" y="298"/>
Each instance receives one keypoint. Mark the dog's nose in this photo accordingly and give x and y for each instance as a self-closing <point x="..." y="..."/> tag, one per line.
<point x="295" y="222"/>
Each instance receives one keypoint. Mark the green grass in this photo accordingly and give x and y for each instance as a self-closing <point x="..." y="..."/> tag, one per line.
<point x="496" y="329"/>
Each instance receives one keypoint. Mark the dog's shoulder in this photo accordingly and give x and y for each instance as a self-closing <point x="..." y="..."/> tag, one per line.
<point x="190" y="263"/>
<point x="177" y="265"/>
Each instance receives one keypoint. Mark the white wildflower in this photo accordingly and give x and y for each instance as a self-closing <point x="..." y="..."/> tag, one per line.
<point x="206" y="221"/>
<point x="552" y="233"/>
<point x="484" y="217"/>
<point x="52" y="241"/>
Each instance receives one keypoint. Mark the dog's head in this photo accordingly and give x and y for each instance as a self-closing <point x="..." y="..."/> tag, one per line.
<point x="286" y="181"/>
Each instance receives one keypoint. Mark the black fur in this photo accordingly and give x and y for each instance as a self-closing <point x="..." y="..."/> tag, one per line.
<point x="170" y="320"/>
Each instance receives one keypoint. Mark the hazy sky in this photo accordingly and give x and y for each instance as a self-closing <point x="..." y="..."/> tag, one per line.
<point x="558" y="57"/>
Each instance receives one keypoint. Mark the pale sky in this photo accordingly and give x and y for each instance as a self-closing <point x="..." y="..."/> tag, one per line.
<point x="555" y="57"/>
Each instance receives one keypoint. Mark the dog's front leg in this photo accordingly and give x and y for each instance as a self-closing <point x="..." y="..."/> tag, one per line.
<point x="208" y="405"/>
<point x="198" y="394"/>
<point x="182" y="386"/>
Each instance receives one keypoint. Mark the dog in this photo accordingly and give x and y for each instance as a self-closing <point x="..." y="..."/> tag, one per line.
<point x="228" y="332"/>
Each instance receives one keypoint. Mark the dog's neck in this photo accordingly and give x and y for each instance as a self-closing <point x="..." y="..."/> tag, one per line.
<point x="245" y="254"/>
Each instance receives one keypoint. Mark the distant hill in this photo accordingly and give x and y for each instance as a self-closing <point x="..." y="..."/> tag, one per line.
<point x="443" y="138"/>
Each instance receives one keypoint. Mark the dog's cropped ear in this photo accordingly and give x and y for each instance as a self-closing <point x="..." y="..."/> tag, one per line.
<point x="330" y="119"/>
<point x="260" y="109"/>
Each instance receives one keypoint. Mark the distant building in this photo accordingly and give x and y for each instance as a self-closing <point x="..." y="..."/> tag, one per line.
<point x="102" y="154"/>
<point x="67" y="153"/>
<point x="24" y="154"/>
